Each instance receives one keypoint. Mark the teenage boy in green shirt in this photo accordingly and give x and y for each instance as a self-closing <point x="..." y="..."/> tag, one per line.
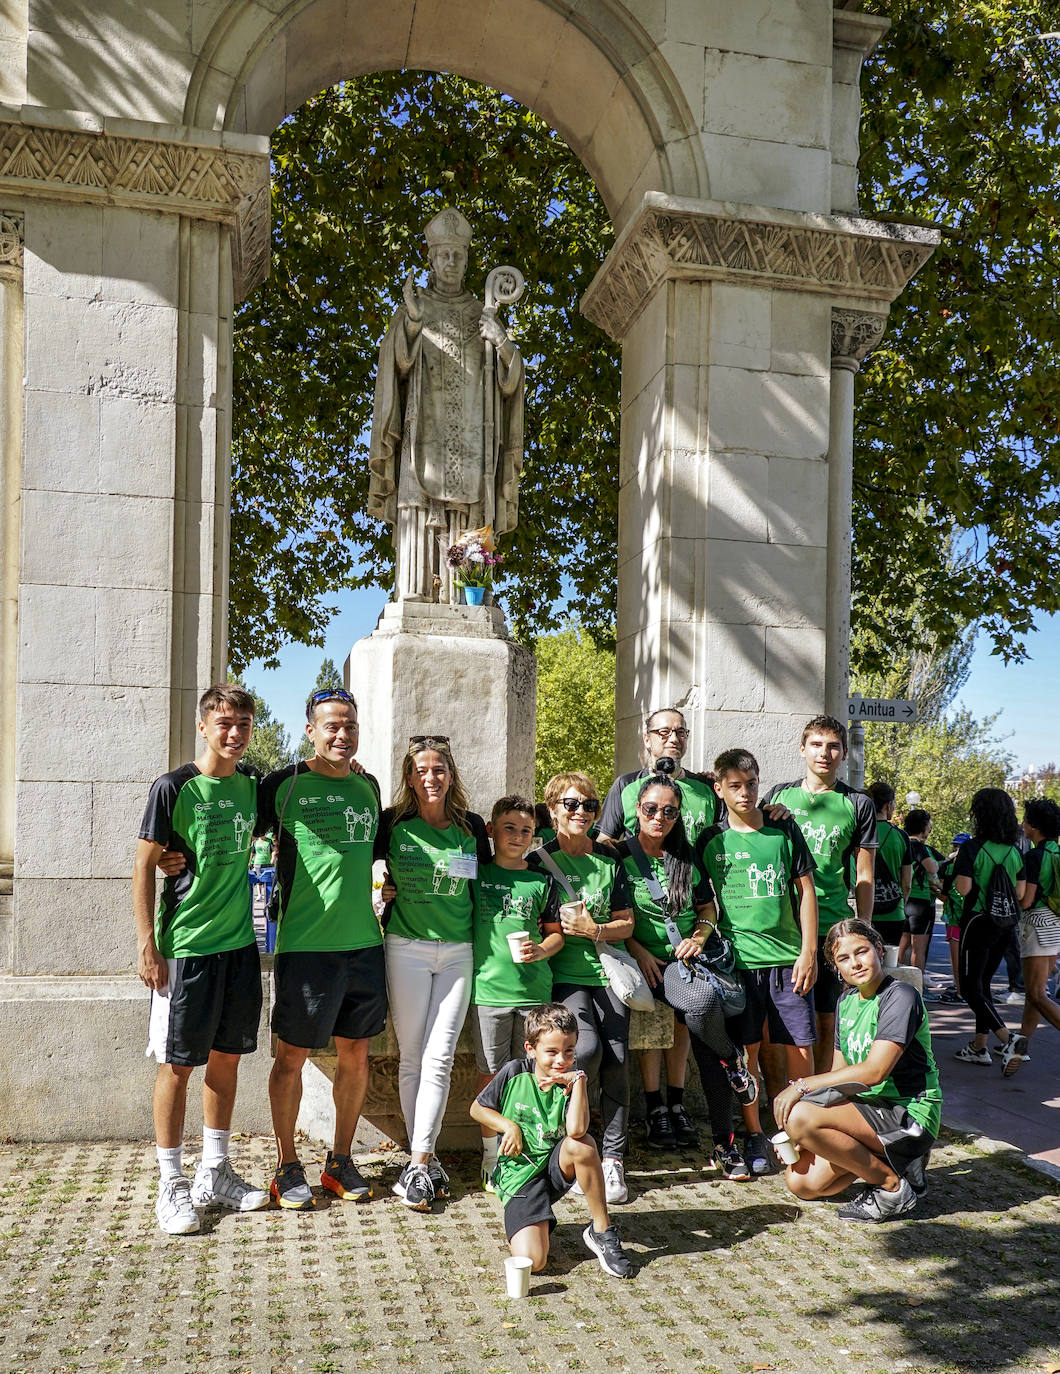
<point x="509" y="897"/>
<point x="330" y="974"/>
<point x="894" y="875"/>
<point x="839" y="826"/>
<point x="198" y="955"/>
<point x="762" y="874"/>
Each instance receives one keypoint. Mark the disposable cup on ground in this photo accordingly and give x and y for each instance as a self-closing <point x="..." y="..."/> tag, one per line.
<point x="786" y="1147"/>
<point x="890" y="956"/>
<point x="516" y="940"/>
<point x="517" y="1276"/>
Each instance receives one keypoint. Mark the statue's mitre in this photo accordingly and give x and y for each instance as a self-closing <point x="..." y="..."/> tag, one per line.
<point x="448" y="226"/>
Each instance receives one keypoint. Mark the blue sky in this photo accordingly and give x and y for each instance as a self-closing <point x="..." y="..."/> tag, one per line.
<point x="1019" y="692"/>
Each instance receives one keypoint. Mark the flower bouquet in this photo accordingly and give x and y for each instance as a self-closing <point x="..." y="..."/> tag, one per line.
<point x="472" y="559"/>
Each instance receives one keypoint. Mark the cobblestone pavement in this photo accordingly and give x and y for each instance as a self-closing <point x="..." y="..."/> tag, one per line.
<point x="732" y="1277"/>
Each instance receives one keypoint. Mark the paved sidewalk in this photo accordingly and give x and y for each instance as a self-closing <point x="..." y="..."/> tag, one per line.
<point x="732" y="1277"/>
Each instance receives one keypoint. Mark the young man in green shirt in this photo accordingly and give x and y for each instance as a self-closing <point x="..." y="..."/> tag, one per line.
<point x="508" y="897"/>
<point x="762" y="873"/>
<point x="198" y="955"/>
<point x="893" y="868"/>
<point x="330" y="975"/>
<point x="839" y="826"/>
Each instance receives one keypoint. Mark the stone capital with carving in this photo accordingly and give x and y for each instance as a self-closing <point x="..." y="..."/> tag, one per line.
<point x="855" y="333"/>
<point x="752" y="245"/>
<point x="192" y="172"/>
<point x="12" y="240"/>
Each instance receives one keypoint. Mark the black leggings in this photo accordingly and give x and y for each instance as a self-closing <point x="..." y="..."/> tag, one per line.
<point x="711" y="1047"/>
<point x="981" y="949"/>
<point x="603" y="1052"/>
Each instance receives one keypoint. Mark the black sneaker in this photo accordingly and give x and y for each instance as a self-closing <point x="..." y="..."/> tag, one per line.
<point x="759" y="1155"/>
<point x="731" y="1163"/>
<point x="607" y="1248"/>
<point x="660" y="1129"/>
<point x="342" y="1177"/>
<point x="742" y="1081"/>
<point x="290" y="1189"/>
<point x="685" y="1133"/>
<point x="439" y="1178"/>
<point x="414" y="1187"/>
<point x="875" y="1204"/>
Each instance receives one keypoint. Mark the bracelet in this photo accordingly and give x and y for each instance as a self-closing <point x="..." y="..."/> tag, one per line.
<point x="799" y="1084"/>
<point x="597" y="932"/>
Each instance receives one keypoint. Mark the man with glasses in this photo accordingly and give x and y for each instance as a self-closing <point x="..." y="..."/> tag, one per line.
<point x="330" y="976"/>
<point x="665" y="738"/>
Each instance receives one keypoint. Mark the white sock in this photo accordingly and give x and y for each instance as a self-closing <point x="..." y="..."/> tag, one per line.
<point x="489" y="1149"/>
<point x="214" y="1146"/>
<point x="170" y="1161"/>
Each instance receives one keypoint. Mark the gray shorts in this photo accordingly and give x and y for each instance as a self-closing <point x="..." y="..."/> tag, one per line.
<point x="499" y="1034"/>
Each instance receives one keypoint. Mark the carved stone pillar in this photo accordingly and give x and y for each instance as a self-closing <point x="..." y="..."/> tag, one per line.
<point x="855" y="333"/>
<point x="724" y="541"/>
<point x="11" y="243"/>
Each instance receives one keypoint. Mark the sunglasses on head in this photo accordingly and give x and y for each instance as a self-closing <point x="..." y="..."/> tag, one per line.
<point x="652" y="809"/>
<point x="573" y="804"/>
<point x="428" y="741"/>
<point x="327" y="694"/>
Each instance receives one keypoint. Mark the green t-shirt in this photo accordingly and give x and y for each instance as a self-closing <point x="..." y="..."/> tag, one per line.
<point x="753" y="873"/>
<point x="835" y="824"/>
<point x="433" y="899"/>
<point x="597" y="880"/>
<point x="541" y="1115"/>
<point x="977" y="859"/>
<point x="700" y="805"/>
<point x="325" y="862"/>
<point x="894" y="849"/>
<point x="206" y="908"/>
<point x="262" y="852"/>
<point x="649" y="926"/>
<point x="506" y="900"/>
<point x="896" y="1014"/>
<point x="1042" y="868"/>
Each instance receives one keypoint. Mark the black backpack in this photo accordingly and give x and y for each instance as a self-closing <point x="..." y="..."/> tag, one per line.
<point x="1001" y="903"/>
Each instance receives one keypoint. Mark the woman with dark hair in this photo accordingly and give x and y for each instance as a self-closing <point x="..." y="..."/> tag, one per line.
<point x="995" y="830"/>
<point x="673" y="914"/>
<point x="1039" y="928"/>
<point x="920" y="904"/>
<point x="432" y="844"/>
<point x="876" y="1113"/>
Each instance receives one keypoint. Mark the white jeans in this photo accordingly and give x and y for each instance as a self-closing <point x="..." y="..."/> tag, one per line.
<point x="429" y="989"/>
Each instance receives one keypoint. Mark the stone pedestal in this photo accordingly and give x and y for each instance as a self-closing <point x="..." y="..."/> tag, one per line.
<point x="448" y="670"/>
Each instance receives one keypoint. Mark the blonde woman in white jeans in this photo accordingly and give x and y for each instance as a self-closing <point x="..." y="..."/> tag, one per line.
<point x="432" y="845"/>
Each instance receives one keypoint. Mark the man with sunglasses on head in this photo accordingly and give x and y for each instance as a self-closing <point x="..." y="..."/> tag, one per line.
<point x="330" y="975"/>
<point x="665" y="742"/>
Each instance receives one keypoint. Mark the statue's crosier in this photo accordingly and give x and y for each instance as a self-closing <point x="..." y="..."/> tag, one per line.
<point x="447" y="431"/>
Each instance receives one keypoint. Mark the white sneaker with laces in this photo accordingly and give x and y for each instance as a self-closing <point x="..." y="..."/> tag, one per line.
<point x="220" y="1186"/>
<point x="615" y="1189"/>
<point x="174" y="1210"/>
<point x="968" y="1054"/>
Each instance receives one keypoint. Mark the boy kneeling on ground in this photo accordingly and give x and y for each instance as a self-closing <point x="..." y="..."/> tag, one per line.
<point x="539" y="1106"/>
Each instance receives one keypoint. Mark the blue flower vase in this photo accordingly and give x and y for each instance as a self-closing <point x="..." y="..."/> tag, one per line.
<point x="474" y="596"/>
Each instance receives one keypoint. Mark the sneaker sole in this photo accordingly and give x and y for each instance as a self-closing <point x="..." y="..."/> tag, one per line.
<point x="976" y="1063"/>
<point x="1012" y="1065"/>
<point x="423" y="1206"/>
<point x="291" y="1206"/>
<point x="332" y="1185"/>
<point x="180" y="1230"/>
<point x="216" y="1204"/>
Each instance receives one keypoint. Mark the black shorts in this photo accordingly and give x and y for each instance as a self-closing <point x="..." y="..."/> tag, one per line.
<point x="829" y="987"/>
<point x="919" y="915"/>
<point x="906" y="1143"/>
<point x="890" y="928"/>
<point x="533" y="1203"/>
<point x="211" y="1002"/>
<point x="339" y="992"/>
<point x="771" y="998"/>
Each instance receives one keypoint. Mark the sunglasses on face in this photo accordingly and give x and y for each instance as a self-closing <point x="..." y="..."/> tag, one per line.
<point x="587" y="804"/>
<point x="665" y="731"/>
<point x="652" y="809"/>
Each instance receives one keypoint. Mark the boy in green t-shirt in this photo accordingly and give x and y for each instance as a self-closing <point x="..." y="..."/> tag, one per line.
<point x="539" y="1107"/>
<point x="762" y="872"/>
<point x="198" y="955"/>
<point x="508" y="897"/>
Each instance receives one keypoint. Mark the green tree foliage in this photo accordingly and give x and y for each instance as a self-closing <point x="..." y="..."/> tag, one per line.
<point x="357" y="173"/>
<point x="575" y="708"/>
<point x="328" y="677"/>
<point x="270" y="744"/>
<point x="958" y="411"/>
<point x="1042" y="781"/>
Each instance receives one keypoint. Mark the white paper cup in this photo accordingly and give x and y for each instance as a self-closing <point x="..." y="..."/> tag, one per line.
<point x="517" y="1276"/>
<point x="570" y="909"/>
<point x="890" y="956"/>
<point x="786" y="1147"/>
<point x="516" y="940"/>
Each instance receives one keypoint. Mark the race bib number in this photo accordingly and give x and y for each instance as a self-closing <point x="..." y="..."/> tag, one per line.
<point x="463" y="866"/>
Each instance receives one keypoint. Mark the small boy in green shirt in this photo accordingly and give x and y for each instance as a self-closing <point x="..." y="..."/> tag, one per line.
<point x="509" y="897"/>
<point x="539" y="1107"/>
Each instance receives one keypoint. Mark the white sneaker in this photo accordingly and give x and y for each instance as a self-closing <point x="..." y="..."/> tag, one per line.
<point x="220" y="1186"/>
<point x="174" y="1210"/>
<point x="615" y="1189"/>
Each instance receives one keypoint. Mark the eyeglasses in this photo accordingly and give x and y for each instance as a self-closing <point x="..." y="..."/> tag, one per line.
<point x="665" y="731"/>
<point x="428" y="741"/>
<point x="587" y="804"/>
<point x="327" y="694"/>
<point x="652" y="809"/>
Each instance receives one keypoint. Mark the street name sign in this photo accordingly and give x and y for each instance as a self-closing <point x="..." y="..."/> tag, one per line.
<point x="893" y="711"/>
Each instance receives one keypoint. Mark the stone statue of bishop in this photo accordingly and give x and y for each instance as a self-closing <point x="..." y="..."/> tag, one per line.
<point x="447" y="429"/>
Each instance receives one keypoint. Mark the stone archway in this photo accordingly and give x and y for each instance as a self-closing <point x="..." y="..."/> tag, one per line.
<point x="134" y="204"/>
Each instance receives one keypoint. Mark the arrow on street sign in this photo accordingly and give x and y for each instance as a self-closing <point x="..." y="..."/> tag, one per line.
<point x="892" y="711"/>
